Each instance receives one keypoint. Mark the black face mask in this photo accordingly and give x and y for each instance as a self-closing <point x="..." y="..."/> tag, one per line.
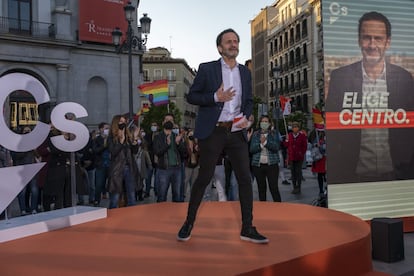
<point x="168" y="125"/>
<point x="191" y="137"/>
<point x="121" y="126"/>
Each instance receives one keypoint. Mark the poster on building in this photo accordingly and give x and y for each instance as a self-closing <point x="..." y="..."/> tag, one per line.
<point x="369" y="93"/>
<point x="98" y="18"/>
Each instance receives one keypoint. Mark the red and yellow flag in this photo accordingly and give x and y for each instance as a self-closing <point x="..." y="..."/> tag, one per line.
<point x="318" y="120"/>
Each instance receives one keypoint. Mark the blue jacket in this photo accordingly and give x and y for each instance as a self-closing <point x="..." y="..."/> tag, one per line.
<point x="206" y="83"/>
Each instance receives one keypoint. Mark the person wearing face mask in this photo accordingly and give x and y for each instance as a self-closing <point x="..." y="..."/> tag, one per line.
<point x="102" y="161"/>
<point x="123" y="172"/>
<point x="169" y="148"/>
<point x="144" y="164"/>
<point x="297" y="144"/>
<point x="149" y="138"/>
<point x="264" y="147"/>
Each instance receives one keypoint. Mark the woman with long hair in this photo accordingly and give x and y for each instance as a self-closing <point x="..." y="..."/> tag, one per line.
<point x="123" y="171"/>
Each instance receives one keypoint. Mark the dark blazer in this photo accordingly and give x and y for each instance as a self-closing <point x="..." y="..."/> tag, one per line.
<point x="206" y="83"/>
<point x="343" y="145"/>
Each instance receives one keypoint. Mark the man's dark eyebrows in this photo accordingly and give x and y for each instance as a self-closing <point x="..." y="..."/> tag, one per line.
<point x="374" y="36"/>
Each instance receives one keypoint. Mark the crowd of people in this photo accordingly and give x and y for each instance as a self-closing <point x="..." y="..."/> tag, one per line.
<point x="125" y="164"/>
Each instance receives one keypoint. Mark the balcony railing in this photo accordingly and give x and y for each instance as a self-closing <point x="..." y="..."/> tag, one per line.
<point x="304" y="84"/>
<point x="27" y="28"/>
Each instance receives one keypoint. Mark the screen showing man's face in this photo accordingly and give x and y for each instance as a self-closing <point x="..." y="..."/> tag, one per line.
<point x="373" y="42"/>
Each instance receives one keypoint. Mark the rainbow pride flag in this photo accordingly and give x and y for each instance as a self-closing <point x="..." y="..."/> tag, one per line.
<point x="157" y="92"/>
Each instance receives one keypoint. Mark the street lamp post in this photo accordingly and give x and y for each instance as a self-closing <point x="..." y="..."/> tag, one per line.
<point x="276" y="110"/>
<point x="132" y="41"/>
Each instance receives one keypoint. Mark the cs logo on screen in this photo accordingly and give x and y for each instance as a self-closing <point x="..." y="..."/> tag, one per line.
<point x="336" y="11"/>
<point x="14" y="179"/>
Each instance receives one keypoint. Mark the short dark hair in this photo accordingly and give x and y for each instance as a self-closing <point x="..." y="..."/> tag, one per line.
<point x="377" y="17"/>
<point x="101" y="125"/>
<point x="169" y="114"/>
<point x="220" y="35"/>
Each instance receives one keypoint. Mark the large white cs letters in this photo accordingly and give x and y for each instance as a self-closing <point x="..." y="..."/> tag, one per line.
<point x="14" y="179"/>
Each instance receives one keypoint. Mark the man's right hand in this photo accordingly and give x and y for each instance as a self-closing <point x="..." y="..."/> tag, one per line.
<point x="225" y="95"/>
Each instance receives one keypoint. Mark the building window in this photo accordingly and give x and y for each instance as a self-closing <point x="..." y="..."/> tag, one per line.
<point x="275" y="46"/>
<point x="305" y="103"/>
<point x="297" y="36"/>
<point x="304" y="28"/>
<point x="171" y="90"/>
<point x="305" y="78"/>
<point x="305" y="53"/>
<point x="171" y="75"/>
<point x="286" y="84"/>
<point x="298" y="101"/>
<point x="297" y="84"/>
<point x="146" y="75"/>
<point x="297" y="56"/>
<point x="19" y="13"/>
<point x="157" y="74"/>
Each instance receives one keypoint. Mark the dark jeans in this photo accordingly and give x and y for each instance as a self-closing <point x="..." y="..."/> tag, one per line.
<point x="166" y="177"/>
<point x="235" y="146"/>
<point x="129" y="189"/>
<point x="101" y="176"/>
<point x="296" y="171"/>
<point x="271" y="173"/>
<point x="321" y="179"/>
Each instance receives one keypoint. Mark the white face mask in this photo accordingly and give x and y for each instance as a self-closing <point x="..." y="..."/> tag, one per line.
<point x="106" y="132"/>
<point x="154" y="128"/>
<point x="143" y="134"/>
<point x="175" y="131"/>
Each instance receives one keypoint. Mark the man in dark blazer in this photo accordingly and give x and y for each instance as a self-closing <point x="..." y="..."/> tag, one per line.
<point x="223" y="90"/>
<point x="370" y="151"/>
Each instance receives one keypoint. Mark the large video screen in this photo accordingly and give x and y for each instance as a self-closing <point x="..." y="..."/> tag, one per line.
<point x="369" y="95"/>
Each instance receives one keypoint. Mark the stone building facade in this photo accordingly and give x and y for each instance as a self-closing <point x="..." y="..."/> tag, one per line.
<point x="41" y="39"/>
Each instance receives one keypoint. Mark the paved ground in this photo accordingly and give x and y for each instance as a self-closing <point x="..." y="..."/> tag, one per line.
<point x="309" y="194"/>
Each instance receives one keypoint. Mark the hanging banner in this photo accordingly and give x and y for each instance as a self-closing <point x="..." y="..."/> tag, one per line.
<point x="98" y="18"/>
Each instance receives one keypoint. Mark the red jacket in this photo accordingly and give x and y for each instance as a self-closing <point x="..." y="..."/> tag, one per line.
<point x="296" y="147"/>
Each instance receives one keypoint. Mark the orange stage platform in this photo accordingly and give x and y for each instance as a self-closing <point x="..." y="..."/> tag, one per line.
<point x="141" y="240"/>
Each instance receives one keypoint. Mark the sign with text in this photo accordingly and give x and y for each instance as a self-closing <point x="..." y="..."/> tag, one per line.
<point x="14" y="179"/>
<point x="369" y="89"/>
<point x="98" y="18"/>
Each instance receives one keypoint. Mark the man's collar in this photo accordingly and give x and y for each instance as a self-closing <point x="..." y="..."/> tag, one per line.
<point x="223" y="63"/>
<point x="381" y="76"/>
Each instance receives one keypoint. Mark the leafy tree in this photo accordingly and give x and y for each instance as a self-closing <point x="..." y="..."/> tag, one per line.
<point x="297" y="116"/>
<point x="157" y="113"/>
<point x="256" y="102"/>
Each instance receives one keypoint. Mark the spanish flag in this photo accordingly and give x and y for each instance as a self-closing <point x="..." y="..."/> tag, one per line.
<point x="318" y="120"/>
<point x="157" y="92"/>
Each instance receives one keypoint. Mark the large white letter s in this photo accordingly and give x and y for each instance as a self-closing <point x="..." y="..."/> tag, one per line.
<point x="78" y="129"/>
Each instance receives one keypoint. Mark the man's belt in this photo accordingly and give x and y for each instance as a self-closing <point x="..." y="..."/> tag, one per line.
<point x="227" y="124"/>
